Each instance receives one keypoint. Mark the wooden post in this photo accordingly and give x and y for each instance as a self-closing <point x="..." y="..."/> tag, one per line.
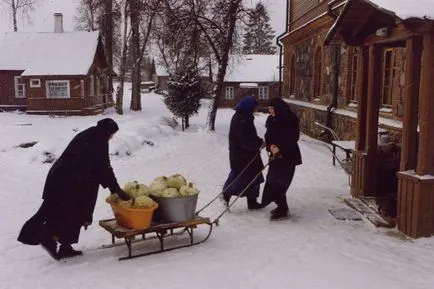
<point x="375" y="57"/>
<point x="411" y="100"/>
<point x="425" y="162"/>
<point x="362" y="79"/>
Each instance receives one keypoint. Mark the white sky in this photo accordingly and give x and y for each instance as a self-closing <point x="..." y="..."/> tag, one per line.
<point x="311" y="250"/>
<point x="43" y="16"/>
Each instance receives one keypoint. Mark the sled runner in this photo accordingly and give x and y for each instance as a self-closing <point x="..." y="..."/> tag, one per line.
<point x="159" y="231"/>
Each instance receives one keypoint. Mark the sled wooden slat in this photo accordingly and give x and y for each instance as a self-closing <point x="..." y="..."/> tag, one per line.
<point x="159" y="231"/>
<point x="123" y="232"/>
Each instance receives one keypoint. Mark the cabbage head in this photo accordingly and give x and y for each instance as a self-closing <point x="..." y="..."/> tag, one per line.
<point x="158" y="185"/>
<point x="170" y="193"/>
<point x="142" y="202"/>
<point x="126" y="204"/>
<point x="188" y="190"/>
<point x="176" y="181"/>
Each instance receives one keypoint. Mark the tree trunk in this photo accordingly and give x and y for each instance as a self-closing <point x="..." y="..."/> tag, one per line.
<point x="108" y="27"/>
<point x="120" y="90"/>
<point x="232" y="19"/>
<point x="187" y="121"/>
<point x="135" y="52"/>
<point x="14" y="15"/>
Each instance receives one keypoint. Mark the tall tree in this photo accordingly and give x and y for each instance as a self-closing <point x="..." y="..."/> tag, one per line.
<point x="258" y="38"/>
<point x="23" y="7"/>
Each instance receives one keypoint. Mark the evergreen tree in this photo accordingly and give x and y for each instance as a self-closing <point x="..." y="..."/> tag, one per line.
<point x="259" y="35"/>
<point x="185" y="89"/>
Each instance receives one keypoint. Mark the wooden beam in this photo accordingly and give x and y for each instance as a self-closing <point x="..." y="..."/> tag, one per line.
<point x="425" y="162"/>
<point x="375" y="64"/>
<point x="374" y="76"/>
<point x="396" y="34"/>
<point x="411" y="101"/>
<point x="362" y="80"/>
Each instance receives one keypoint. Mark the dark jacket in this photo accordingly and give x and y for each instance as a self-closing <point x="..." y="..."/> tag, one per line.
<point x="244" y="143"/>
<point x="283" y="131"/>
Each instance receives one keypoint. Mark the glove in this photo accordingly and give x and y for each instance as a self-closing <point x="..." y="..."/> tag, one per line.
<point x="86" y="224"/>
<point x="123" y="195"/>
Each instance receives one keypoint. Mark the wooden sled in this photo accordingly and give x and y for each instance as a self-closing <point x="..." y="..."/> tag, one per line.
<point x="160" y="231"/>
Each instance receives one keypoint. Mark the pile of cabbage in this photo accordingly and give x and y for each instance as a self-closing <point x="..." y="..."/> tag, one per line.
<point x="139" y="194"/>
<point x="167" y="187"/>
<point x="172" y="187"/>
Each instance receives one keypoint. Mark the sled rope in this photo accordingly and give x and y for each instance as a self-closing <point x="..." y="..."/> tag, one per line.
<point x="230" y="184"/>
<point x="216" y="220"/>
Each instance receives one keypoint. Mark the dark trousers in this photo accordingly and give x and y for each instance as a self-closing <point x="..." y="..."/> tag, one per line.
<point x="275" y="189"/>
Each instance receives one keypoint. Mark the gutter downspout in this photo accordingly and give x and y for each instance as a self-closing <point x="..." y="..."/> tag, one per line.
<point x="281" y="47"/>
<point x="337" y="63"/>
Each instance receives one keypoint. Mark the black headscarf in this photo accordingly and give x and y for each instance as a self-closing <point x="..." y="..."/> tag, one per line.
<point x="108" y="126"/>
<point x="281" y="108"/>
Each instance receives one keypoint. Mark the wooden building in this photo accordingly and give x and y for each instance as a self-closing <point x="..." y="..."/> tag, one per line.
<point x="53" y="73"/>
<point x="255" y="75"/>
<point x="361" y="67"/>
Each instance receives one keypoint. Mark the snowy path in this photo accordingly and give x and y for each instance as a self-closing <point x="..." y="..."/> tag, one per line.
<point x="311" y="250"/>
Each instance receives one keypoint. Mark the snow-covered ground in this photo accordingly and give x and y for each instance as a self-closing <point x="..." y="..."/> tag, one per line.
<point x="310" y="250"/>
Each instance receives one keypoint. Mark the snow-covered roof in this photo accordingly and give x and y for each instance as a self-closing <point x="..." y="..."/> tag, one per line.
<point x="408" y="8"/>
<point x="241" y="68"/>
<point x="253" y="68"/>
<point x="67" y="53"/>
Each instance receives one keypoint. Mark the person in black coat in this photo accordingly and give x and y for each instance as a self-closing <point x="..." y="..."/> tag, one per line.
<point x="281" y="140"/>
<point x="71" y="190"/>
<point x="244" y="148"/>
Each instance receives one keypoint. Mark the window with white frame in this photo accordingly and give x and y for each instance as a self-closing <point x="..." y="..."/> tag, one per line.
<point x="263" y="92"/>
<point x="20" y="87"/>
<point x="35" y="82"/>
<point x="92" y="85"/>
<point x="229" y="92"/>
<point x="58" y="89"/>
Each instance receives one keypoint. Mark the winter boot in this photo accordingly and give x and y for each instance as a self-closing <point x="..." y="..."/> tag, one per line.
<point x="225" y="199"/>
<point x="49" y="243"/>
<point x="66" y="251"/>
<point x="279" y="214"/>
<point x="252" y="204"/>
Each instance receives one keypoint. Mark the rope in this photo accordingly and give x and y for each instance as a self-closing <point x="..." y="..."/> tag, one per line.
<point x="216" y="220"/>
<point x="230" y="184"/>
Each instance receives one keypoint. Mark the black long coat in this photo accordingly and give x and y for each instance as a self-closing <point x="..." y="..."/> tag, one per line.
<point x="71" y="187"/>
<point x="244" y="145"/>
<point x="283" y="131"/>
<point x="73" y="180"/>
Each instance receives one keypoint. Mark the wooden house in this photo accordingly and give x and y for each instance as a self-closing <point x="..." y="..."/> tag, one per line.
<point x="365" y="66"/>
<point x="255" y="75"/>
<point x="53" y="73"/>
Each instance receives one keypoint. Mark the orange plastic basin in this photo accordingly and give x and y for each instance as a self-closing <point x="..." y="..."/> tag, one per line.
<point x="133" y="218"/>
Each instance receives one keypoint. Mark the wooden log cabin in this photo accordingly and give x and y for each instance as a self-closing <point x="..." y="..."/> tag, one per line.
<point x="378" y="55"/>
<point x="53" y="73"/>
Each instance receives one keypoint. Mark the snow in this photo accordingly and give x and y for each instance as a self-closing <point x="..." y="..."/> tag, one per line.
<point x="310" y="250"/>
<point x="408" y="8"/>
<point x="67" y="53"/>
<point x="253" y="68"/>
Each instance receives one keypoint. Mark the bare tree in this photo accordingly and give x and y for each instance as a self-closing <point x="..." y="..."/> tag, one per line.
<point x="20" y="7"/>
<point x="142" y="15"/>
<point x="219" y="29"/>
